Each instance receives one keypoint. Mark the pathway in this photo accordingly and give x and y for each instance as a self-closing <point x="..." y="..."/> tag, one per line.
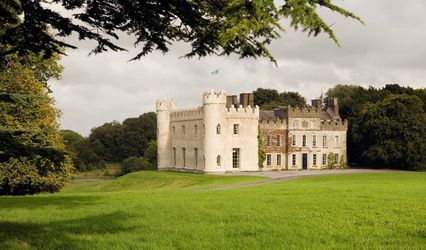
<point x="278" y="176"/>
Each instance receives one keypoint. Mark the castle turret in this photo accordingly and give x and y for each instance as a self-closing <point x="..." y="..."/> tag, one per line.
<point x="214" y="105"/>
<point x="164" y="109"/>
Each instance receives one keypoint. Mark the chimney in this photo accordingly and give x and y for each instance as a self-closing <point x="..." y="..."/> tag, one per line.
<point x="334" y="105"/>
<point x="247" y="99"/>
<point x="316" y="103"/>
<point x="231" y="101"/>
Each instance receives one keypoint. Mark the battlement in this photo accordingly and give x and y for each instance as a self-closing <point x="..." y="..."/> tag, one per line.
<point x="187" y="114"/>
<point x="243" y="112"/>
<point x="305" y="112"/>
<point x="214" y="97"/>
<point x="165" y="105"/>
<point x="334" y="125"/>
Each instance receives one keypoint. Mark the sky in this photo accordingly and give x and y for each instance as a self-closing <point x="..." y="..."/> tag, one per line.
<point x="389" y="48"/>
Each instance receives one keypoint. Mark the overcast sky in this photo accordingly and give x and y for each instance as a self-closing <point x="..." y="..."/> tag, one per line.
<point x="390" y="48"/>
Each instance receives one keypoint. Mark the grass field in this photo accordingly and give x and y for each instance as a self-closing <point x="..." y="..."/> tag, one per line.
<point x="160" y="210"/>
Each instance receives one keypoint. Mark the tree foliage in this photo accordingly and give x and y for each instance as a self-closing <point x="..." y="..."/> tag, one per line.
<point x="211" y="27"/>
<point x="269" y="99"/>
<point x="114" y="142"/>
<point x="81" y="151"/>
<point x="387" y="126"/>
<point x="32" y="155"/>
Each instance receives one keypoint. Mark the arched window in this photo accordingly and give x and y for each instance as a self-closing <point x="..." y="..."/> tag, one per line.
<point x="218" y="129"/>
<point x="218" y="158"/>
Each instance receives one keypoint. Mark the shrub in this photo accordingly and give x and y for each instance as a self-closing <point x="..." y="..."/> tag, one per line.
<point x="330" y="161"/>
<point x="29" y="176"/>
<point x="134" y="163"/>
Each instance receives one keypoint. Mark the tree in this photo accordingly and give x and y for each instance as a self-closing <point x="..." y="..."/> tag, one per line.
<point x="211" y="27"/>
<point x="392" y="133"/>
<point x="269" y="99"/>
<point x="81" y="151"/>
<point x="32" y="155"/>
<point x="134" y="163"/>
<point x="151" y="154"/>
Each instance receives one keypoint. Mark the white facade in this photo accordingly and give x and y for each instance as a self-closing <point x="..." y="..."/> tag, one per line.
<point x="211" y="138"/>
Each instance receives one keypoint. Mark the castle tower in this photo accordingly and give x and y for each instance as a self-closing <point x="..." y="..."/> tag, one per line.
<point x="214" y="105"/>
<point x="164" y="109"/>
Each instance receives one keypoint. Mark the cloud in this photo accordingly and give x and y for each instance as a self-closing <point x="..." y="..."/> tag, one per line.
<point x="388" y="49"/>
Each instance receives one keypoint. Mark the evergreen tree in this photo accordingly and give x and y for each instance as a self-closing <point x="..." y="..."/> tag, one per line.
<point x="32" y="155"/>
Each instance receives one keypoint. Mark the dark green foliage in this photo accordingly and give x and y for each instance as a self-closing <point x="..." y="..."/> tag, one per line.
<point x="81" y="151"/>
<point x="134" y="163"/>
<point x="392" y="133"/>
<point x="387" y="126"/>
<point x="115" y="142"/>
<point x="261" y="154"/>
<point x="269" y="99"/>
<point x="151" y="153"/>
<point x="211" y="27"/>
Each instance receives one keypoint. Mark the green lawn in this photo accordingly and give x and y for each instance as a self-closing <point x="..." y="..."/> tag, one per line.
<point x="160" y="210"/>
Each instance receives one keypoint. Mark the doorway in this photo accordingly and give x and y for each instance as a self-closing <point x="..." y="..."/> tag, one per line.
<point x="305" y="161"/>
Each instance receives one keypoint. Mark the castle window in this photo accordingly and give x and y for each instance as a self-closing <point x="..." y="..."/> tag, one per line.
<point x="184" y="156"/>
<point x="195" y="130"/>
<point x="278" y="140"/>
<point x="174" y="130"/>
<point x="195" y="157"/>
<point x="218" y="129"/>
<point x="324" y="159"/>
<point x="324" y="141"/>
<point x="235" y="158"/>
<point x="174" y="157"/>
<point x="336" y="158"/>
<point x="236" y="129"/>
<point x="268" y="160"/>
<point x="295" y="124"/>
<point x="304" y="141"/>
<point x="278" y="159"/>
<point x="268" y="140"/>
<point x="218" y="159"/>
<point x="293" y="159"/>
<point x="183" y="129"/>
<point x="314" y="159"/>
<point x="336" y="138"/>
<point x="314" y="141"/>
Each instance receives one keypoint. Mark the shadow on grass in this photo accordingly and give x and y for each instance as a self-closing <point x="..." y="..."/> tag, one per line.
<point x="40" y="201"/>
<point x="63" y="234"/>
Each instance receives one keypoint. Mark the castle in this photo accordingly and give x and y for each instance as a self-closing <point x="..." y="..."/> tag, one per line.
<point x="226" y="134"/>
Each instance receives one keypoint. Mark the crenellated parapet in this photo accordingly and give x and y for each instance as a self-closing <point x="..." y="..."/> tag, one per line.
<point x="305" y="112"/>
<point x="187" y="114"/>
<point x="165" y="105"/>
<point x="334" y="125"/>
<point x="241" y="112"/>
<point x="214" y="97"/>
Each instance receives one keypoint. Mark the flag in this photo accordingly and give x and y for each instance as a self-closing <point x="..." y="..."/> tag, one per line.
<point x="215" y="72"/>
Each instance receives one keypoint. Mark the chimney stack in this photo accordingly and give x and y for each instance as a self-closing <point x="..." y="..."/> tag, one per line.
<point x="316" y="103"/>
<point x="231" y="101"/>
<point x="247" y="99"/>
<point x="333" y="104"/>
